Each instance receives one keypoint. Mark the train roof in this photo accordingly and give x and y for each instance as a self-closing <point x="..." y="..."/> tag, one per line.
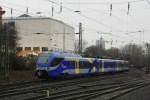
<point x="113" y="60"/>
<point x="79" y="59"/>
<point x="83" y="59"/>
<point x="60" y="54"/>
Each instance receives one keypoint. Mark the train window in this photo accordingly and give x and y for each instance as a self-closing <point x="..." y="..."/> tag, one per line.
<point x="56" y="61"/>
<point x="84" y="64"/>
<point x="43" y="58"/>
<point x="109" y="64"/>
<point x="69" y="63"/>
<point x="120" y="64"/>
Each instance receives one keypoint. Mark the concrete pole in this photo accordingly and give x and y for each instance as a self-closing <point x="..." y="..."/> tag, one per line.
<point x="80" y="37"/>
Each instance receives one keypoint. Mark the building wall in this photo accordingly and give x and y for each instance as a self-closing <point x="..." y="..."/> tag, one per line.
<point x="54" y="34"/>
<point x="100" y="43"/>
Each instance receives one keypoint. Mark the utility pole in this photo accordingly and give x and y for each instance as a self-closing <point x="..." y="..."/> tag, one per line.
<point x="80" y="37"/>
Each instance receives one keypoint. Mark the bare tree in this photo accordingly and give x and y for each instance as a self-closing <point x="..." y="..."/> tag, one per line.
<point x="113" y="53"/>
<point x="8" y="40"/>
<point x="134" y="54"/>
<point x="94" y="51"/>
<point x="147" y="54"/>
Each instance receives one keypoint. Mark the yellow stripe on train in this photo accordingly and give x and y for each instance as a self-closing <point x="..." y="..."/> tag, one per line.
<point x="77" y="69"/>
<point x="102" y="69"/>
<point x="94" y="69"/>
<point x="90" y="60"/>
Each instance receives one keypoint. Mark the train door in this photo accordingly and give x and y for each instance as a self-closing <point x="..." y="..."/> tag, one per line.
<point x="99" y="66"/>
<point x="102" y="67"/>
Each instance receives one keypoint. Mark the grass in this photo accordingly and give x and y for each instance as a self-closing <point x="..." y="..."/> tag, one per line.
<point x="17" y="76"/>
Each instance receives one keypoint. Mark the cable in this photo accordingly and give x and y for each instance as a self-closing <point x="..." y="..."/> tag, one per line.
<point x="74" y="24"/>
<point x="17" y="10"/>
<point x="94" y="20"/>
<point x="103" y="3"/>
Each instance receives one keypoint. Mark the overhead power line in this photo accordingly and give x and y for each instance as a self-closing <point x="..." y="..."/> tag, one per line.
<point x="102" y="3"/>
<point x="89" y="18"/>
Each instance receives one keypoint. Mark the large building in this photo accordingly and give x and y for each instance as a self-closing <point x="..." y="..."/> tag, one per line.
<point x="100" y="43"/>
<point x="37" y="34"/>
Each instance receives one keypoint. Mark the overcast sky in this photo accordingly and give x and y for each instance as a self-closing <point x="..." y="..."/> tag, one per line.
<point x="95" y="16"/>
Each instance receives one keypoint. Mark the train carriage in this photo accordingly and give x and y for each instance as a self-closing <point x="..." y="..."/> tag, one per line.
<point x="62" y="64"/>
<point x="71" y="66"/>
<point x="47" y="63"/>
<point x="111" y="65"/>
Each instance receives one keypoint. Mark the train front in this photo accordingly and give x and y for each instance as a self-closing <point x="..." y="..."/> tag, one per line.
<point x="42" y="65"/>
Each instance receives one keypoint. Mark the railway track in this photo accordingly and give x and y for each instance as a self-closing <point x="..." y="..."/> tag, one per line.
<point x="65" y="89"/>
<point x="53" y="85"/>
<point x="94" y="91"/>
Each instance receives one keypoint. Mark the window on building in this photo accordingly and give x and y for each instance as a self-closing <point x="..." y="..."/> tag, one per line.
<point x="44" y="48"/>
<point x="36" y="48"/>
<point x="19" y="49"/>
<point x="27" y="48"/>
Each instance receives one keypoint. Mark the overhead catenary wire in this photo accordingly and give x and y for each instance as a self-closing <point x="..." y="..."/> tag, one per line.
<point x="18" y="11"/>
<point x="117" y="18"/>
<point x="89" y="18"/>
<point x="103" y="3"/>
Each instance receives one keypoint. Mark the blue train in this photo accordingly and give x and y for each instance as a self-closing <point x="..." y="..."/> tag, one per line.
<point x="55" y="64"/>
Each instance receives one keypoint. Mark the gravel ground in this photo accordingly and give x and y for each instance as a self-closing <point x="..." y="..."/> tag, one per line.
<point x="140" y="94"/>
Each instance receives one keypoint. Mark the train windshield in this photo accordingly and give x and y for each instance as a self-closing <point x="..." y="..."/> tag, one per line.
<point x="43" y="57"/>
<point x="56" y="61"/>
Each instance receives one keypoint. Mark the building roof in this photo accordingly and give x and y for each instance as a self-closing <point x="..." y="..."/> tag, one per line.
<point x="28" y="17"/>
<point x="25" y="15"/>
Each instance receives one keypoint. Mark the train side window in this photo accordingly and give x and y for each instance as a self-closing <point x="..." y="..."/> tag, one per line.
<point x="56" y="61"/>
<point x="109" y="64"/>
<point x="84" y="64"/>
<point x="120" y="64"/>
